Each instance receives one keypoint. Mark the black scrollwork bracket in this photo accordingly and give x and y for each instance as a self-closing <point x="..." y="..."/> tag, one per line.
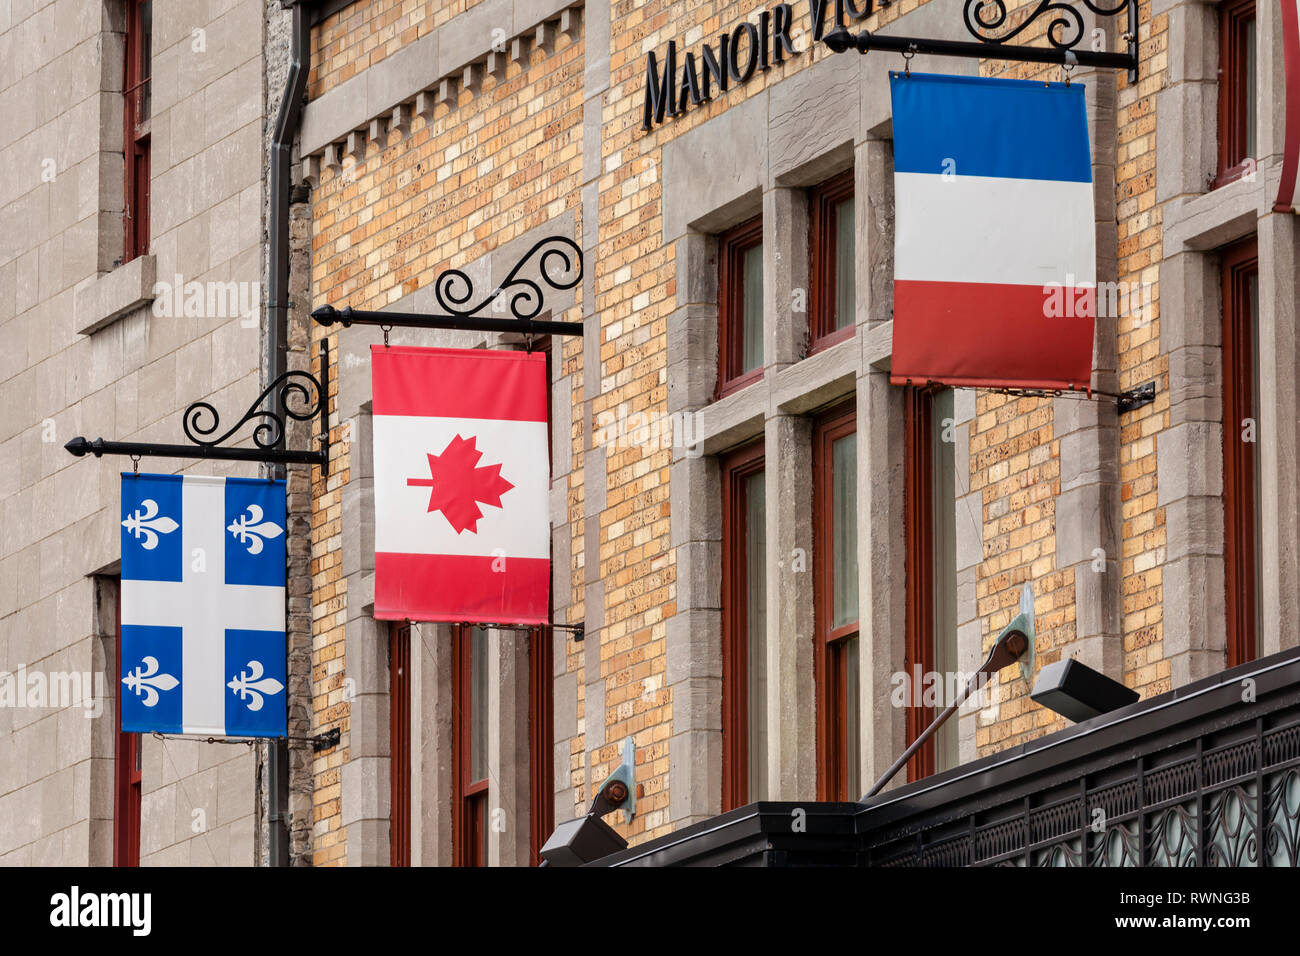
<point x="986" y="20"/>
<point x="560" y="267"/>
<point x="295" y="394"/>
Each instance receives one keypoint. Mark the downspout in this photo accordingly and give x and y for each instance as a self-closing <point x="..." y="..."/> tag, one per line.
<point x="286" y="127"/>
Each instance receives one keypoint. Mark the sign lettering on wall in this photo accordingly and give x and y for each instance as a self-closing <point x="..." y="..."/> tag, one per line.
<point x="671" y="87"/>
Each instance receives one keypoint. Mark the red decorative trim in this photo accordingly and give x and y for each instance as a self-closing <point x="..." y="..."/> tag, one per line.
<point x="1286" y="193"/>
<point x="732" y="246"/>
<point x="918" y="520"/>
<point x="1234" y="111"/>
<point x="399" y="743"/>
<point x="1240" y="263"/>
<point x="822" y="249"/>
<point x="126" y="765"/>
<point x="830" y="674"/>
<point x="736" y="467"/>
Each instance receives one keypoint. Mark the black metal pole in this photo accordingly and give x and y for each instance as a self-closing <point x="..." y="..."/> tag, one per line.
<point x="328" y="315"/>
<point x="99" y="448"/>
<point x="286" y="127"/>
<point x="1006" y="651"/>
<point x="840" y="40"/>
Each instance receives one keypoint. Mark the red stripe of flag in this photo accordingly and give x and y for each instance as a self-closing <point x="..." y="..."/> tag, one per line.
<point x="459" y="383"/>
<point x="458" y="588"/>
<point x="985" y="334"/>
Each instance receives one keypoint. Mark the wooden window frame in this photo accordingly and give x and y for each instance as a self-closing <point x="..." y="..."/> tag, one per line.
<point x="1233" y="112"/>
<point x="399" y="743"/>
<point x="136" y="135"/>
<point x="127" y="775"/>
<point x="470" y="797"/>
<point x="736" y="467"/>
<point x="918" y="564"/>
<point x="822" y="256"/>
<point x="1239" y="262"/>
<point x="830" y="672"/>
<point x="540" y="740"/>
<point x="732" y="246"/>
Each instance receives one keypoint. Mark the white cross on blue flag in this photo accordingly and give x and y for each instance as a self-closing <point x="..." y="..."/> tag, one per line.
<point x="203" y="637"/>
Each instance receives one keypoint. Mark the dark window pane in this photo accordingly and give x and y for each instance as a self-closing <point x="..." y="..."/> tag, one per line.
<point x="844" y="259"/>
<point x="844" y="530"/>
<point x="752" y="342"/>
<point x="478" y="705"/>
<point x="852" y="719"/>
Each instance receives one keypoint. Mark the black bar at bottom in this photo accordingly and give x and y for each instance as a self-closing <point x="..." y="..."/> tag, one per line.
<point x="328" y="315"/>
<point x="865" y="42"/>
<point x="80" y="446"/>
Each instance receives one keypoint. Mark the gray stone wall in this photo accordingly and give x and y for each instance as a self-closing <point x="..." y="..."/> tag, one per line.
<point x="85" y="355"/>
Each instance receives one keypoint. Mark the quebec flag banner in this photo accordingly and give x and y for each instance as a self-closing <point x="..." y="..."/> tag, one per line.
<point x="203" y="598"/>
<point x="995" y="238"/>
<point x="462" y="485"/>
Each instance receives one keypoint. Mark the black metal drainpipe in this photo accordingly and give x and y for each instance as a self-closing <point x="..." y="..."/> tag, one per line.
<point x="286" y="126"/>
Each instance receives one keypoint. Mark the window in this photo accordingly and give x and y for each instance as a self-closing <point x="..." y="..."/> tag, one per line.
<point x="127" y="775"/>
<point x="399" y="719"/>
<point x="1237" y="108"/>
<point x="929" y="479"/>
<point x="1240" y="266"/>
<point x="541" y="738"/>
<point x="831" y="246"/>
<point x="835" y="558"/>
<point x="470" y="747"/>
<point x="139" y="56"/>
<point x="744" y="628"/>
<point x="541" y="718"/>
<point x="740" y="307"/>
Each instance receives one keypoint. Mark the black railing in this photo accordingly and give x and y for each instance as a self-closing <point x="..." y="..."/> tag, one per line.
<point x="1207" y="775"/>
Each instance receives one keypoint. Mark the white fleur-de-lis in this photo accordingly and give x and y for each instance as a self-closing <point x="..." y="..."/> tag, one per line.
<point x="145" y="524"/>
<point x="250" y="529"/>
<point x="145" y="680"/>
<point x="250" y="686"/>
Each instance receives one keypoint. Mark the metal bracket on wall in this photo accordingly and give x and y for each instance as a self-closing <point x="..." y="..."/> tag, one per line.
<point x="326" y="740"/>
<point x="294" y="388"/>
<point x="983" y="20"/>
<point x="523" y="297"/>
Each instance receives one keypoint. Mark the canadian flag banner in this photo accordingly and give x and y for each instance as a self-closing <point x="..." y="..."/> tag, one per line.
<point x="462" y="479"/>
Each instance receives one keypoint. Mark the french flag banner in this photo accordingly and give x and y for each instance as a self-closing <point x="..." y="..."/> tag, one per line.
<point x="462" y="482"/>
<point x="995" y="241"/>
<point x="203" y="592"/>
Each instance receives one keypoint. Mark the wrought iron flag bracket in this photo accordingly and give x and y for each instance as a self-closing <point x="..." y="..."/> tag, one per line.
<point x="986" y="20"/>
<point x="521" y="296"/>
<point x="296" y="395"/>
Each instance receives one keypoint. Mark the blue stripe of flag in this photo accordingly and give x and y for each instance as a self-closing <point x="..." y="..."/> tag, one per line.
<point x="980" y="126"/>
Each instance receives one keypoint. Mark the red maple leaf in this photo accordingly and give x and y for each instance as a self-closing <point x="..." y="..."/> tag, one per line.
<point x="456" y="483"/>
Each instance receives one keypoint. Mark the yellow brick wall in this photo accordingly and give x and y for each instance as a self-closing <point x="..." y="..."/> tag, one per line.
<point x="362" y="34"/>
<point x="473" y="178"/>
<point x="428" y="203"/>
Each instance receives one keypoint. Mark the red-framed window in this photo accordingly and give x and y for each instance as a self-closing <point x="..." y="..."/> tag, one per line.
<point x="126" y="766"/>
<point x="740" y="306"/>
<point x="930" y="572"/>
<point x="744" y="628"/>
<point x="831" y="240"/>
<point x="1240" y="278"/>
<point x="835" y="561"/>
<point x="470" y="746"/>
<point x="399" y="749"/>
<point x="1238" y="112"/>
<point x="541" y="739"/>
<point x="139" y="58"/>
<point x="541" y="687"/>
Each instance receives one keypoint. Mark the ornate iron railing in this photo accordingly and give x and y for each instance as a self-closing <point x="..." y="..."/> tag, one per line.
<point x="1208" y="775"/>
